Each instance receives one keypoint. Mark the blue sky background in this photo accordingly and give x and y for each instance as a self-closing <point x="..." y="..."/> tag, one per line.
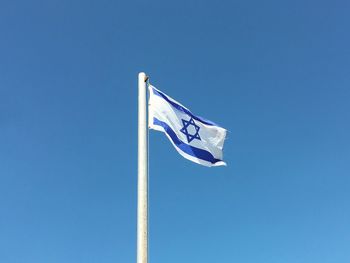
<point x="274" y="73"/>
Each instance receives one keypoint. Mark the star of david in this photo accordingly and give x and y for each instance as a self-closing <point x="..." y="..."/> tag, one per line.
<point x="188" y="131"/>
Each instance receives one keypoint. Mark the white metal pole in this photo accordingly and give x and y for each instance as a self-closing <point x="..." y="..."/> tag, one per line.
<point x="142" y="182"/>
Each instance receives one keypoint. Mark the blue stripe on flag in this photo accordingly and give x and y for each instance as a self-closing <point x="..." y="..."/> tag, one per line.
<point x="190" y="150"/>
<point x="180" y="108"/>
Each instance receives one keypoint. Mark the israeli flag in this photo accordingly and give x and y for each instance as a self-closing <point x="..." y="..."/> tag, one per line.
<point x="195" y="138"/>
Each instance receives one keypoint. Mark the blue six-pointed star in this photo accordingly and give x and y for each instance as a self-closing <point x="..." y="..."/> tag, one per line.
<point x="184" y="130"/>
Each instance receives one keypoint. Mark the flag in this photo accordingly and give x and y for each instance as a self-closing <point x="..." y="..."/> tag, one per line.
<point x="195" y="138"/>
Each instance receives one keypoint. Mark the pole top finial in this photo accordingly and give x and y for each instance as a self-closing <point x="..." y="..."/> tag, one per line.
<point x="144" y="76"/>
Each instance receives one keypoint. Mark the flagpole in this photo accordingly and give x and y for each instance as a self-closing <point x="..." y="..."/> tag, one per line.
<point x="142" y="181"/>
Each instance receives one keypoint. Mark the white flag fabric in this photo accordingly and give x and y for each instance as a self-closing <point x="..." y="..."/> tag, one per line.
<point x="195" y="138"/>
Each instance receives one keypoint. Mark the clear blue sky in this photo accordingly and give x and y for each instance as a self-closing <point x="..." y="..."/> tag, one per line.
<point x="276" y="74"/>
